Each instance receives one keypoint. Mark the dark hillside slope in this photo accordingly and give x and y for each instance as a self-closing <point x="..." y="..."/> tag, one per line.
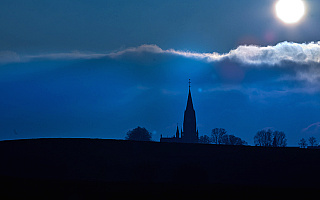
<point x="185" y="166"/>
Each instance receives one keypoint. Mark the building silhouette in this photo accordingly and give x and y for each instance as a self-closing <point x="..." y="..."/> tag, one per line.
<point x="189" y="134"/>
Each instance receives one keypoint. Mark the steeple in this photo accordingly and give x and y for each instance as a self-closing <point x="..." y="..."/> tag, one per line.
<point x="189" y="132"/>
<point x="189" y="123"/>
<point x="177" y="132"/>
<point x="189" y="102"/>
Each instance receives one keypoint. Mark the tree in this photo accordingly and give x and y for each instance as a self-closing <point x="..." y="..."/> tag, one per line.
<point x="263" y="138"/>
<point x="303" y="143"/>
<point x="279" y="139"/>
<point x="268" y="138"/>
<point x="312" y="141"/>
<point x="139" y="134"/>
<point x="217" y="135"/>
<point x="232" y="140"/>
<point x="204" y="139"/>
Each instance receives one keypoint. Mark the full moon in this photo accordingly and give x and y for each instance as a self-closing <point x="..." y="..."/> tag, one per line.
<point x="290" y="11"/>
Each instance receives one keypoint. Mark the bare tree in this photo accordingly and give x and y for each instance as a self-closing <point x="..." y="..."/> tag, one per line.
<point x="263" y="138"/>
<point x="303" y="143"/>
<point x="232" y="140"/>
<point x="279" y="139"/>
<point x="217" y="135"/>
<point x="312" y="141"/>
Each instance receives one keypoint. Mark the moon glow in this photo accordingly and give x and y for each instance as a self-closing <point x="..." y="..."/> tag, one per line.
<point x="290" y="11"/>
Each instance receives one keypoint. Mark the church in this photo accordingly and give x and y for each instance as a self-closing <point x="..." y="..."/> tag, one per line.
<point x="189" y="134"/>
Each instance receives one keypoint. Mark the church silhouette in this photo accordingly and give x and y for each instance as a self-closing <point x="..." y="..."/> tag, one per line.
<point x="189" y="134"/>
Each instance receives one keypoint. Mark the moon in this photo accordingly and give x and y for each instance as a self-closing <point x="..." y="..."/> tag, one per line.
<point x="290" y="11"/>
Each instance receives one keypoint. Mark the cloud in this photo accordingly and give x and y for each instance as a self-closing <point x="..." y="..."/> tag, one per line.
<point x="300" y="53"/>
<point x="65" y="56"/>
<point x="301" y="59"/>
<point x="141" y="49"/>
<point x="9" y="57"/>
<point x="304" y="53"/>
<point x="83" y="55"/>
<point x="312" y="128"/>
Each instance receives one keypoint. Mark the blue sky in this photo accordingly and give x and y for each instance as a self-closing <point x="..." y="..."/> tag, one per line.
<point x="100" y="68"/>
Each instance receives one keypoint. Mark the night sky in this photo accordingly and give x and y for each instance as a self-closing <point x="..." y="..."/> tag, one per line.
<point x="100" y="68"/>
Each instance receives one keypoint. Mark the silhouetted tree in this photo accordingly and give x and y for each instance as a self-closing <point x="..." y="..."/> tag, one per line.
<point x="312" y="141"/>
<point x="303" y="143"/>
<point x="263" y="138"/>
<point x="204" y="139"/>
<point x="217" y="135"/>
<point x="139" y="134"/>
<point x="232" y="140"/>
<point x="268" y="138"/>
<point x="279" y="139"/>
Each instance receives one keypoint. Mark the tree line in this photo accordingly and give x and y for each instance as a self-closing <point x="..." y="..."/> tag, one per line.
<point x="263" y="138"/>
<point x="269" y="138"/>
<point x="303" y="142"/>
<point x="220" y="136"/>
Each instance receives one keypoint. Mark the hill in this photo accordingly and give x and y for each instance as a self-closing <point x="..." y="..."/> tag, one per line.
<point x="97" y="167"/>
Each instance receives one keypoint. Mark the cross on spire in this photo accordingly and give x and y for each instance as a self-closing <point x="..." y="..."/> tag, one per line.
<point x="189" y="83"/>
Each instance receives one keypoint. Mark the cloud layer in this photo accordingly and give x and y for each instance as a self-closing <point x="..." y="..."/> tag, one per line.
<point x="302" y="59"/>
<point x="300" y="53"/>
<point x="303" y="53"/>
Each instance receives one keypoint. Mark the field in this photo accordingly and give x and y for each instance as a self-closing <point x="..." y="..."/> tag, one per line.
<point x="86" y="167"/>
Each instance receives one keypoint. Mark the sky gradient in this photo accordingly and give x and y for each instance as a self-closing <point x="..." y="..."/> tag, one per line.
<point x="100" y="68"/>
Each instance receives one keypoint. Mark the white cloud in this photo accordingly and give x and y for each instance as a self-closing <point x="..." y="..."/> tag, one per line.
<point x="301" y="53"/>
<point x="273" y="55"/>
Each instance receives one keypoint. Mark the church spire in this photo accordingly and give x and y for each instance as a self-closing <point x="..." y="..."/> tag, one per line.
<point x="189" y="132"/>
<point x="189" y="102"/>
<point x="189" y="122"/>
<point x="177" y="132"/>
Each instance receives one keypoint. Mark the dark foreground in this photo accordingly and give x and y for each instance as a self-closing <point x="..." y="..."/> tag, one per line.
<point x="87" y="168"/>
